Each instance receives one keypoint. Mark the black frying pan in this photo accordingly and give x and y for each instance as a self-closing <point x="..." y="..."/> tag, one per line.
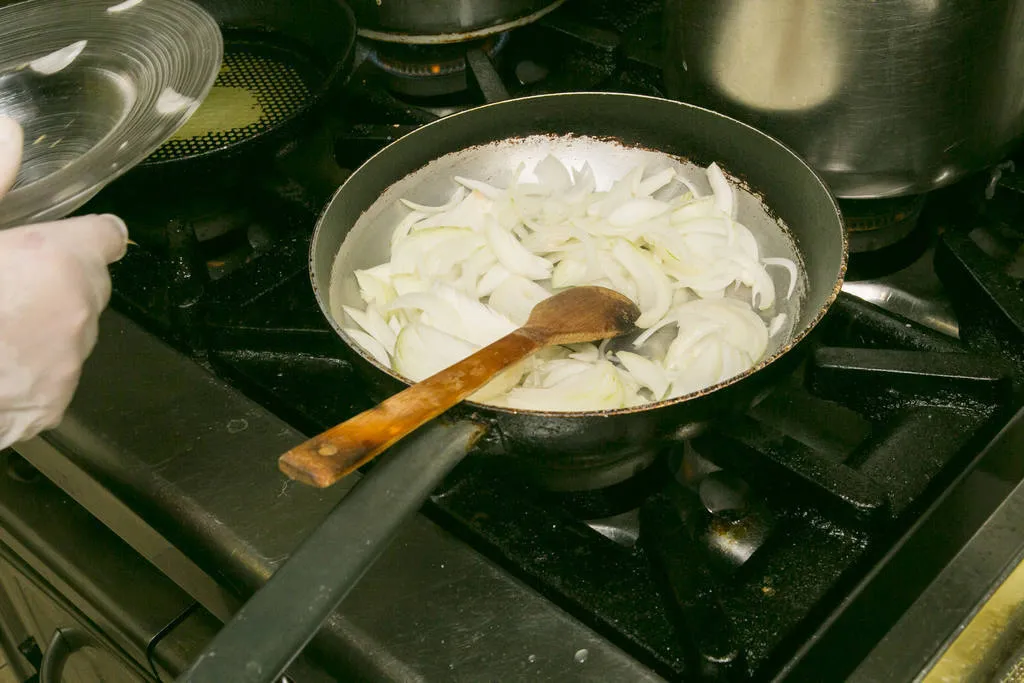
<point x="282" y="60"/>
<point x="569" y="450"/>
<point x="574" y="451"/>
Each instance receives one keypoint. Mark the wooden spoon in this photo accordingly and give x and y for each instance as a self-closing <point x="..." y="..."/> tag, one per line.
<point x="576" y="315"/>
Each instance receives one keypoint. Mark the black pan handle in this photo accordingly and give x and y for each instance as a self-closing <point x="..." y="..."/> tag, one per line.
<point x="680" y="567"/>
<point x="306" y="171"/>
<point x="273" y="627"/>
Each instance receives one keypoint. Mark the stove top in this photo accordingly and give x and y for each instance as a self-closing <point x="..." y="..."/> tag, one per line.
<point x="726" y="557"/>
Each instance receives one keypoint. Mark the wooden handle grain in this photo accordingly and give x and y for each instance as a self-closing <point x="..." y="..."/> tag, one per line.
<point x="324" y="459"/>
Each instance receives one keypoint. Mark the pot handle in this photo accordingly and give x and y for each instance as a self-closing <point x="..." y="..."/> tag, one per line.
<point x="270" y="630"/>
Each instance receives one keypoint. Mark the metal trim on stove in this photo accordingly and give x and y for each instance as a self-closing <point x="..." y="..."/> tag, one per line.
<point x="927" y="629"/>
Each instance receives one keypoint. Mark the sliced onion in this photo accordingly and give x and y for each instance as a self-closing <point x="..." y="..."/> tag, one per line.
<point x="405" y="255"/>
<point x="515" y="298"/>
<point x="457" y="196"/>
<point x="682" y="257"/>
<point x="634" y="211"/>
<point x="479" y="323"/>
<point x="375" y="285"/>
<point x="588" y="353"/>
<point x="568" y="273"/>
<point x="645" y="372"/>
<point x="468" y="213"/>
<point x="500" y="384"/>
<point x="492" y="279"/>
<point x="435" y="310"/>
<point x="703" y="207"/>
<point x="514" y="256"/>
<point x="654" y="290"/>
<point x="724" y="200"/>
<point x="596" y="388"/>
<point x="789" y="266"/>
<point x="652" y="184"/>
<point x="402" y="231"/>
<point x="423" y="350"/>
<point x="483" y="188"/>
<point x="553" y="175"/>
<point x="409" y="284"/>
<point x="775" y="326"/>
<point x="371" y="345"/>
<point x="374" y="324"/>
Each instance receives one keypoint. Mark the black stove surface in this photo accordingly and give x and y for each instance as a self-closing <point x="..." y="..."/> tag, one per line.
<point x="726" y="555"/>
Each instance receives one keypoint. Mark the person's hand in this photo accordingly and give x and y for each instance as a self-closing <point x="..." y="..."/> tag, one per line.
<point x="53" y="285"/>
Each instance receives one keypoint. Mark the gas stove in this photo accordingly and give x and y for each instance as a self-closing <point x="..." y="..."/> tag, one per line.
<point x="767" y="546"/>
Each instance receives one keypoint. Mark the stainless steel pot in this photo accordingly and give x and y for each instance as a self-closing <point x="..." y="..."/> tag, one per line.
<point x="444" y="21"/>
<point x="882" y="97"/>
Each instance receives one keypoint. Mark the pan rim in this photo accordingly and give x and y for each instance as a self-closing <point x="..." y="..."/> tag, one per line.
<point x="793" y="341"/>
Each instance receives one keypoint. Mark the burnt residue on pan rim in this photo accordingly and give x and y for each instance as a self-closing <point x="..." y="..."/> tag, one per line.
<point x="484" y="408"/>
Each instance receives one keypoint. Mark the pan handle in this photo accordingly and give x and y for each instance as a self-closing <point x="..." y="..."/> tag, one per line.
<point x="270" y="630"/>
<point x="306" y="170"/>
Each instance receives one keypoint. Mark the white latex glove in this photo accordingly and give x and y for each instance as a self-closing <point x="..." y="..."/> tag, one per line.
<point x="53" y="285"/>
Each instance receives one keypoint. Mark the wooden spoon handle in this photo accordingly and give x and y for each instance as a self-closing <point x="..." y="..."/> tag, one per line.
<point x="326" y="458"/>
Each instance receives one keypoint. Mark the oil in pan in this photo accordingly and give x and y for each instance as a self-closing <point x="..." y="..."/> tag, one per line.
<point x="259" y="87"/>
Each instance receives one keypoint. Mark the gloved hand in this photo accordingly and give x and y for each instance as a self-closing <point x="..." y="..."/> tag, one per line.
<point x="53" y="285"/>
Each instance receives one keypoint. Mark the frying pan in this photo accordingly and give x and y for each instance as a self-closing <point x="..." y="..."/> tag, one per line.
<point x="577" y="451"/>
<point x="282" y="60"/>
<point x="565" y="450"/>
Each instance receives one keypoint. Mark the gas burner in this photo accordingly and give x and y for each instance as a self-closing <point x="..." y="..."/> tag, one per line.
<point x="430" y="71"/>
<point x="875" y="224"/>
<point x="735" y="522"/>
<point x="885" y="235"/>
<point x="600" y="500"/>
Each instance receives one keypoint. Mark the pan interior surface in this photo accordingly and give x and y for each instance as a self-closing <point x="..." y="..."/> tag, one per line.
<point x="368" y="243"/>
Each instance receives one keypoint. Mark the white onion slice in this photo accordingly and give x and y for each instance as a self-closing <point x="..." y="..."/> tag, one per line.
<point x="552" y="175"/>
<point x="596" y="388"/>
<point x="775" y="326"/>
<point x="724" y="200"/>
<point x="483" y="188"/>
<point x="634" y="211"/>
<point x="371" y="345"/>
<point x="374" y="324"/>
<point x="789" y="266"/>
<point x="514" y="256"/>
<point x="453" y="201"/>
<point x="423" y="350"/>
<point x="654" y="290"/>
<point x="655" y="182"/>
<point x="515" y="298"/>
<point x="645" y="372"/>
